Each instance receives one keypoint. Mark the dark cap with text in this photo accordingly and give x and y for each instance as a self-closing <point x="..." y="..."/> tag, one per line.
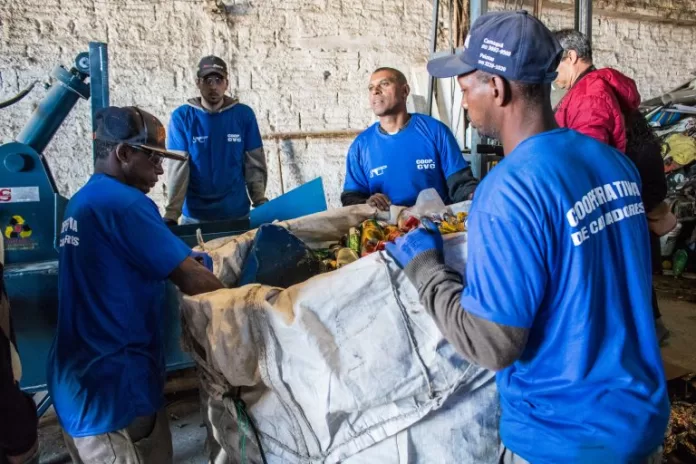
<point x="212" y="65"/>
<point x="135" y="127"/>
<point x="514" y="45"/>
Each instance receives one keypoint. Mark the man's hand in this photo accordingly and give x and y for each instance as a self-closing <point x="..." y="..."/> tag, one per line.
<point x="379" y="201"/>
<point x="407" y="247"/>
<point x="193" y="280"/>
<point x="203" y="258"/>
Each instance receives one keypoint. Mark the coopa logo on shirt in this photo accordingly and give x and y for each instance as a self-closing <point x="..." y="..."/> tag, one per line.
<point x="234" y="138"/>
<point x="425" y="164"/>
<point x="200" y="139"/>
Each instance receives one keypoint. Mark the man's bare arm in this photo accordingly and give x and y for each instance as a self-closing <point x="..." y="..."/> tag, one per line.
<point x="193" y="278"/>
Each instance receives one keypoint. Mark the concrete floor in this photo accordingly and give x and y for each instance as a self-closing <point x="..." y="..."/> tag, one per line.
<point x="677" y="303"/>
<point x="188" y="433"/>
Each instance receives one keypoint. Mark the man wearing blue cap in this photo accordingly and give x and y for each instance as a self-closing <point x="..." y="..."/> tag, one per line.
<point x="557" y="290"/>
<point x="106" y="367"/>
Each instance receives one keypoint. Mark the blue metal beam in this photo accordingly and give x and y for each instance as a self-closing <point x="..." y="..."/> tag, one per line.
<point x="98" y="80"/>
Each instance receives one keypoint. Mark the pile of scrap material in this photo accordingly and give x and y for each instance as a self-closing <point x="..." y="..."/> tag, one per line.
<point x="673" y="118"/>
<point x="373" y="235"/>
<point x="279" y="258"/>
<point x="680" y="443"/>
<point x="346" y="366"/>
<point x="681" y="440"/>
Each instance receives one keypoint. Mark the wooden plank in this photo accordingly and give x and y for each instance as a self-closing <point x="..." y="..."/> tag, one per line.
<point x="538" y="7"/>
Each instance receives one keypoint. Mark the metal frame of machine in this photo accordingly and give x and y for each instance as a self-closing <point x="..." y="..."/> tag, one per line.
<point x="31" y="215"/>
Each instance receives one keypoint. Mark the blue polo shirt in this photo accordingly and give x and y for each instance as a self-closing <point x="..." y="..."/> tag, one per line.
<point x="420" y="156"/>
<point x="558" y="244"/>
<point x="216" y="144"/>
<point x="106" y="365"/>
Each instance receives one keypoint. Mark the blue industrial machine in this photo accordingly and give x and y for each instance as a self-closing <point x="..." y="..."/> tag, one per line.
<point x="31" y="213"/>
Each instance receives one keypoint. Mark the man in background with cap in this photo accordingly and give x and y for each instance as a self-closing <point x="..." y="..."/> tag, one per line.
<point x="106" y="368"/>
<point x="396" y="158"/>
<point x="226" y="157"/>
<point x="556" y="296"/>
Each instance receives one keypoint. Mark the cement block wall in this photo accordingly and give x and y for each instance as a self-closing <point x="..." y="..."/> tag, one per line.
<point x="302" y="65"/>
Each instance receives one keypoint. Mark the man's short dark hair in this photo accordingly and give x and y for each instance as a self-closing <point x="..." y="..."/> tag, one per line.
<point x="398" y="75"/>
<point x="102" y="149"/>
<point x="570" y="39"/>
<point x="532" y="93"/>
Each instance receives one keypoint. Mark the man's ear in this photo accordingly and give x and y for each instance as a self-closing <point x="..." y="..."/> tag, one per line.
<point x="572" y="55"/>
<point x="500" y="90"/>
<point x="407" y="91"/>
<point x="121" y="153"/>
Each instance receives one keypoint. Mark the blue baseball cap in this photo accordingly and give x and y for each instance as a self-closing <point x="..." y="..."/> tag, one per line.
<point x="514" y="45"/>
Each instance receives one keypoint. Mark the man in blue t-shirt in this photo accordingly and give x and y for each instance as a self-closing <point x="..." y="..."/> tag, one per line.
<point x="222" y="139"/>
<point x="106" y="368"/>
<point x="396" y="158"/>
<point x="556" y="296"/>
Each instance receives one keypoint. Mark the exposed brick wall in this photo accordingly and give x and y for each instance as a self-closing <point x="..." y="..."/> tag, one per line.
<point x="636" y="38"/>
<point x="301" y="64"/>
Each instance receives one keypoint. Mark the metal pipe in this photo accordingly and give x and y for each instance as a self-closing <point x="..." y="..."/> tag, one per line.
<point x="477" y="8"/>
<point x="98" y="62"/>
<point x="433" y="48"/>
<point x="583" y="18"/>
<point x="312" y="135"/>
<point x="18" y="97"/>
<point x="54" y="108"/>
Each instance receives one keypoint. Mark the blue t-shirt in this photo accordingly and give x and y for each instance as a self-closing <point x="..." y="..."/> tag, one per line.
<point x="558" y="244"/>
<point x="420" y="156"/>
<point x="106" y="365"/>
<point x="216" y="144"/>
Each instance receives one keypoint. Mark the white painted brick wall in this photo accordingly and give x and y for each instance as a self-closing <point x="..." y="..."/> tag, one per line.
<point x="301" y="64"/>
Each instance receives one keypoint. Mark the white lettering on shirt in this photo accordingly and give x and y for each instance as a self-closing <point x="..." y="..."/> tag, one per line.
<point x="69" y="225"/>
<point x="234" y="138"/>
<point x="425" y="164"/>
<point x="200" y="139"/>
<point x="376" y="172"/>
<point x="593" y="200"/>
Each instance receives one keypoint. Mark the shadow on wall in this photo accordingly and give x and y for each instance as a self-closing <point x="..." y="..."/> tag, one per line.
<point x="290" y="171"/>
<point x="233" y="7"/>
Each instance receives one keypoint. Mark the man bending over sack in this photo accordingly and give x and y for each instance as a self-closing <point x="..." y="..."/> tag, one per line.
<point x="106" y="369"/>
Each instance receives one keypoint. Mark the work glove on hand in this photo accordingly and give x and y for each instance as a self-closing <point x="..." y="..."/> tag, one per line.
<point x="203" y="258"/>
<point x="415" y="244"/>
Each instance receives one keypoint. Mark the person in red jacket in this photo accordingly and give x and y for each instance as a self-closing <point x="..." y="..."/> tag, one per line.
<point x="597" y="99"/>
<point x="603" y="104"/>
